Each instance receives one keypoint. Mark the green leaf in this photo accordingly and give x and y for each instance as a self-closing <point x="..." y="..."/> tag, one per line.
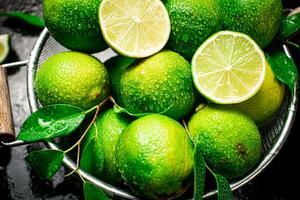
<point x="28" y="18"/>
<point x="45" y="162"/>
<point x="51" y="122"/>
<point x="116" y="66"/>
<point x="199" y="174"/>
<point x="284" y="68"/>
<point x="224" y="190"/>
<point x="289" y="26"/>
<point x="92" y="159"/>
<point x="119" y="109"/>
<point x="92" y="192"/>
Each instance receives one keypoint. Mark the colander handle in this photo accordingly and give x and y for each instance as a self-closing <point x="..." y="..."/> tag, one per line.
<point x="7" y="132"/>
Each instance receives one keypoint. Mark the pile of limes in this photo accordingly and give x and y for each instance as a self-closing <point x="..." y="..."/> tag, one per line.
<point x="197" y="60"/>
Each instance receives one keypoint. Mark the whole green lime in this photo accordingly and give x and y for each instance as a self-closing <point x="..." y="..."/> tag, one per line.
<point x="72" y="78"/>
<point x="74" y="24"/>
<point x="160" y="83"/>
<point x="108" y="127"/>
<point x="265" y="104"/>
<point x="258" y="19"/>
<point x="192" y="22"/>
<point x="229" y="140"/>
<point x="155" y="157"/>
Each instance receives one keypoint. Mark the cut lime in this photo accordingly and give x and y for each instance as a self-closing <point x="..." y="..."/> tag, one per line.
<point x="135" y="28"/>
<point x="4" y="47"/>
<point x="228" y="68"/>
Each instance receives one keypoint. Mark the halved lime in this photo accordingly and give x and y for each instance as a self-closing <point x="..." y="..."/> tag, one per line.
<point x="4" y="47"/>
<point x="135" y="28"/>
<point x="228" y="68"/>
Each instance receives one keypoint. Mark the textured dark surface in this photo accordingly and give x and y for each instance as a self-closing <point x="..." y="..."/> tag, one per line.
<point x="17" y="182"/>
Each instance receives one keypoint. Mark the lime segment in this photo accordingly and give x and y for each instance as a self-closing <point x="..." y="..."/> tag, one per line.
<point x="228" y="68"/>
<point x="4" y="47"/>
<point x="135" y="28"/>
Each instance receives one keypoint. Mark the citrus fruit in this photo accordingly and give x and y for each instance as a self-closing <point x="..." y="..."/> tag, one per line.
<point x="135" y="28"/>
<point x="155" y="157"/>
<point x="72" y="78"/>
<point x="229" y="140"/>
<point x="192" y="22"/>
<point x="108" y="127"/>
<point x="74" y="24"/>
<point x="259" y="19"/>
<point x="228" y="68"/>
<point x="161" y="83"/>
<point x="4" y="47"/>
<point x="264" y="105"/>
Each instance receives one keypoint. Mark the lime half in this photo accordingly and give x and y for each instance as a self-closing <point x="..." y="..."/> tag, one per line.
<point x="135" y="28"/>
<point x="4" y="47"/>
<point x="228" y="68"/>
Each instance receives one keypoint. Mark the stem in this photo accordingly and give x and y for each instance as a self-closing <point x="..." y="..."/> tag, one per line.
<point x="77" y="162"/>
<point x="293" y="44"/>
<point x="78" y="143"/>
<point x="72" y="172"/>
<point x="90" y="110"/>
<point x="211" y="171"/>
<point x="186" y="129"/>
<point x="98" y="107"/>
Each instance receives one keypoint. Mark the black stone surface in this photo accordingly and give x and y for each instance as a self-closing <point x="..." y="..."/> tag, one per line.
<point x="18" y="182"/>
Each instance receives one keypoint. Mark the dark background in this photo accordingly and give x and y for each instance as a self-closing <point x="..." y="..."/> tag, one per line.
<point x="17" y="182"/>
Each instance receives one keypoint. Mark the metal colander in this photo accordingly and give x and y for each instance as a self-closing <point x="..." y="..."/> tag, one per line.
<point x="274" y="135"/>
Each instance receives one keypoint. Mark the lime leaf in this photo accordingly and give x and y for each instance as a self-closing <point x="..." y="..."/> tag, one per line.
<point x="92" y="158"/>
<point x="199" y="174"/>
<point x="28" y="18"/>
<point x="283" y="67"/>
<point x="92" y="192"/>
<point x="4" y="47"/>
<point x="289" y="26"/>
<point x="224" y="190"/>
<point x="45" y="162"/>
<point x="51" y="122"/>
<point x="116" y="66"/>
<point x="119" y="109"/>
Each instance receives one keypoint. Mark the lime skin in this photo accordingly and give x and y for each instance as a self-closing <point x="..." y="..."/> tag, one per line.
<point x="72" y="78"/>
<point x="230" y="141"/>
<point x="74" y="24"/>
<point x="155" y="157"/>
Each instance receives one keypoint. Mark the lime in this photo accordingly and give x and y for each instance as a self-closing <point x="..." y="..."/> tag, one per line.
<point x="72" y="78"/>
<point x="192" y="22"/>
<point x="4" y="47"/>
<point x="74" y="24"/>
<point x="228" y="68"/>
<point x="229" y="140"/>
<point x="108" y="127"/>
<point x="155" y="157"/>
<point x="259" y="19"/>
<point x="265" y="104"/>
<point x="135" y="28"/>
<point x="162" y="83"/>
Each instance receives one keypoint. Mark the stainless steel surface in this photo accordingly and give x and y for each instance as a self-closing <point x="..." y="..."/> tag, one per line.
<point x="274" y="136"/>
<point x="15" y="64"/>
